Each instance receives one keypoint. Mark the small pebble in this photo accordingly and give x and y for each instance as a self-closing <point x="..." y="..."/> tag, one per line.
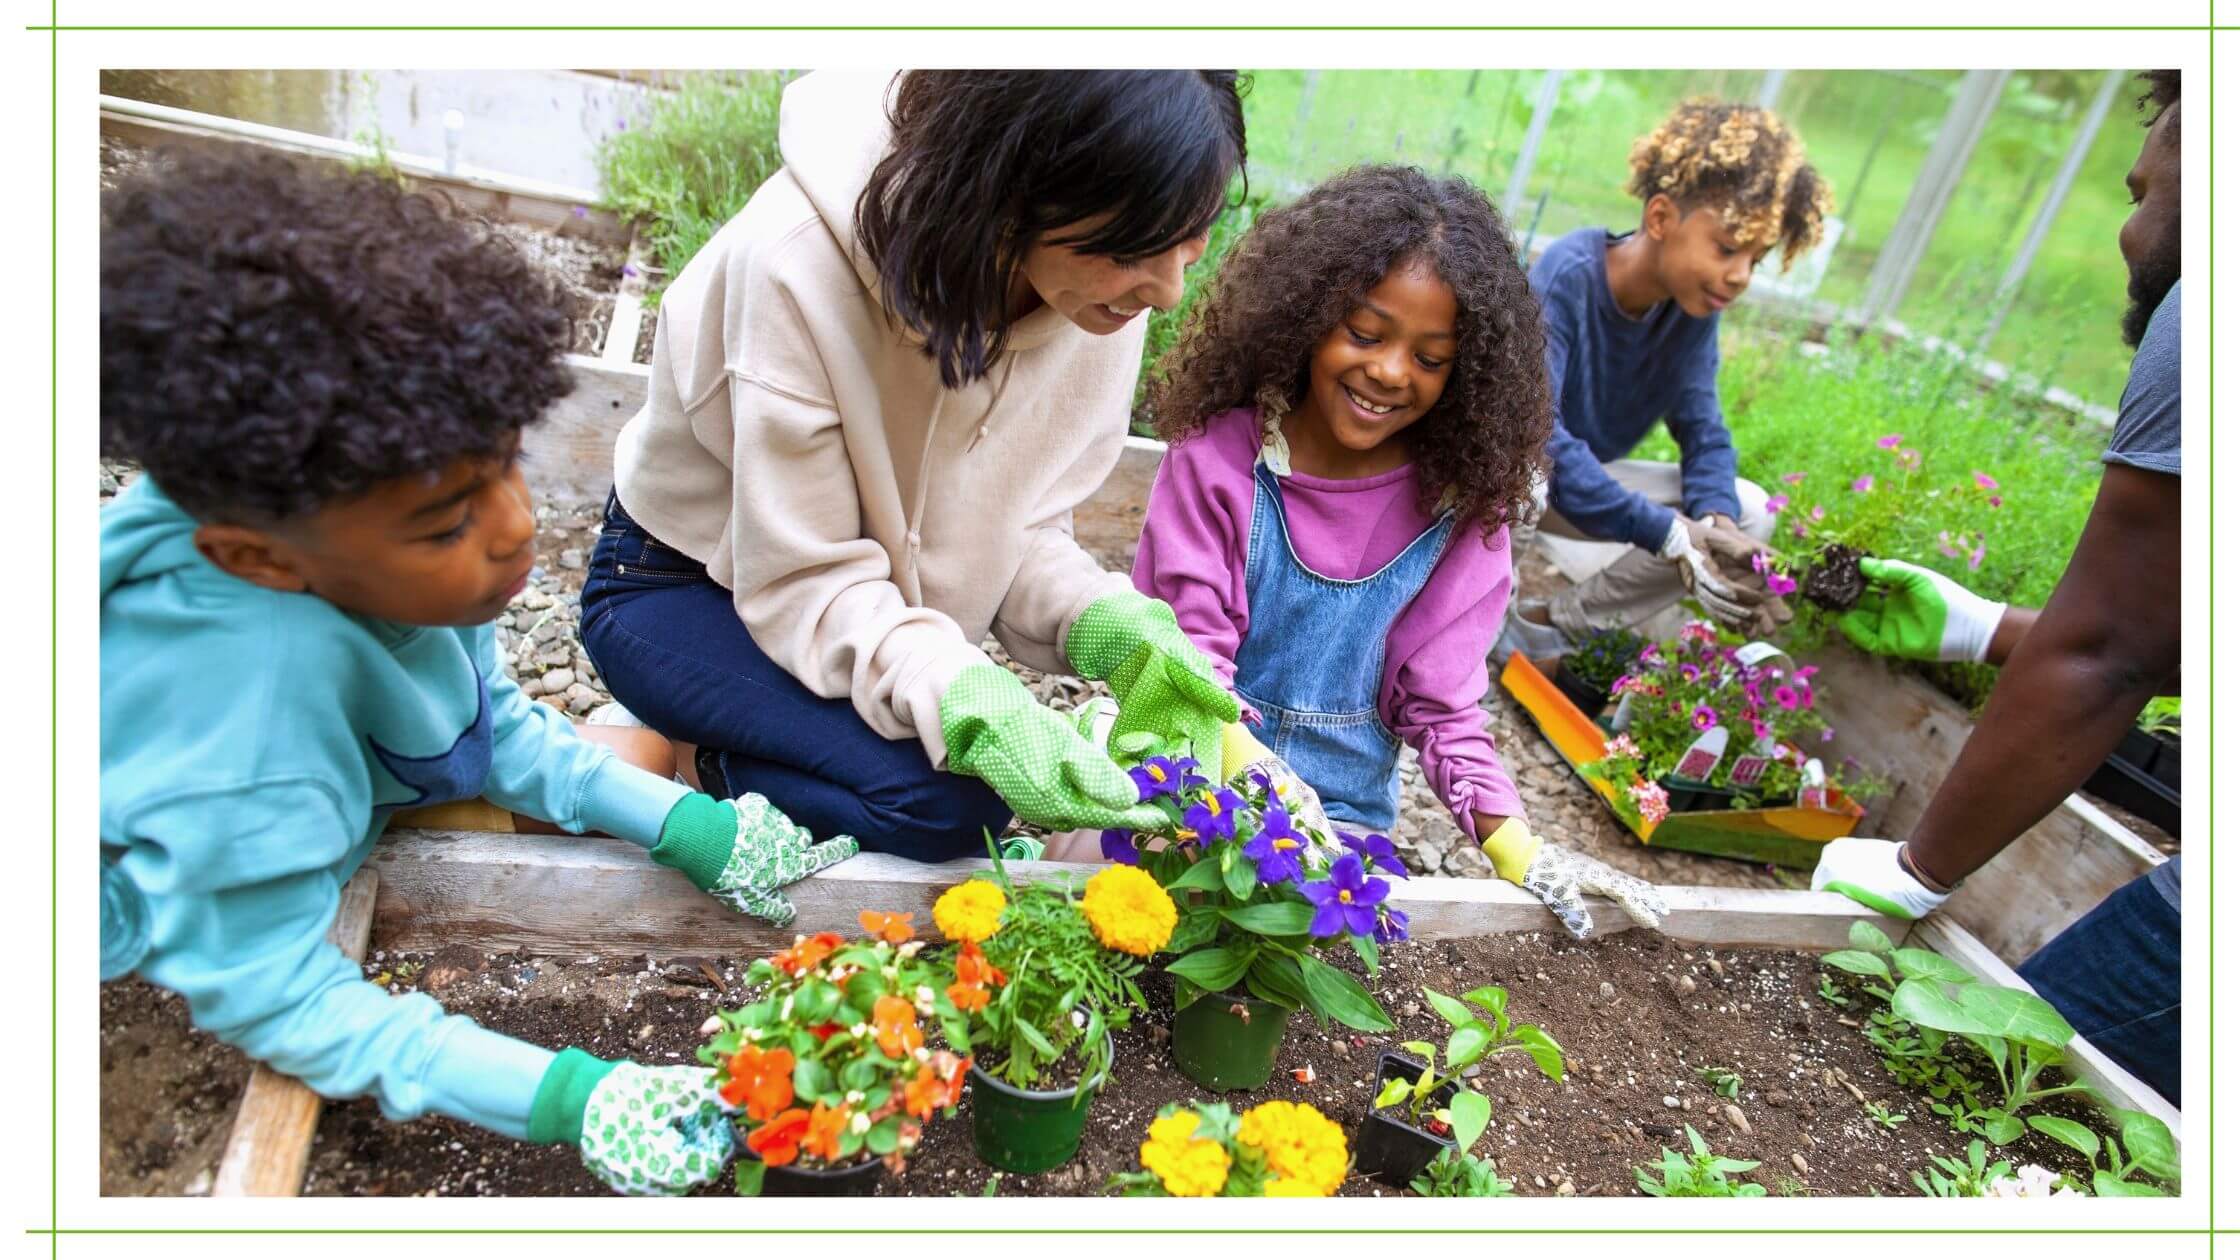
<point x="1777" y="1098"/>
<point x="1671" y="1101"/>
<point x="1608" y="991"/>
<point x="1803" y="1170"/>
<point x="1565" y="1189"/>
<point x="571" y="558"/>
<point x="1739" y="1122"/>
<point x="556" y="681"/>
<point x="1684" y="986"/>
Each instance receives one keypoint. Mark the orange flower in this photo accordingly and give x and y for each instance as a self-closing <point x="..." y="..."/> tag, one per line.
<point x="808" y="952"/>
<point x="895" y="1023"/>
<point x="974" y="968"/>
<point x="957" y="1069"/>
<point x="779" y="1141"/>
<point x="969" y="998"/>
<point x="891" y="928"/>
<point x="826" y="1124"/>
<point x="760" y="1081"/>
<point x="924" y="1095"/>
<point x="823" y="1032"/>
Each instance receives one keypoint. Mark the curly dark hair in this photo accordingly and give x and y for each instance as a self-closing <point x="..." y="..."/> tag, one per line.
<point x="275" y="339"/>
<point x="985" y="162"/>
<point x="1299" y="269"/>
<point x="1742" y="159"/>
<point x="2162" y="94"/>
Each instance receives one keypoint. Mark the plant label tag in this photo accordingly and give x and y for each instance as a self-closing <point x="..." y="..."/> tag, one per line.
<point x="1814" y="792"/>
<point x="1747" y="771"/>
<point x="1703" y="755"/>
<point x="1623" y="716"/>
<point x="1759" y="652"/>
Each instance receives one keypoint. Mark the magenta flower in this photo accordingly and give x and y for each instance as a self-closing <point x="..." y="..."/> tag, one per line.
<point x="1984" y="480"/>
<point x="1944" y="545"/>
<point x="1785" y="696"/>
<point x="1996" y="501"/>
<point x="1792" y="478"/>
<point x="1705" y="717"/>
<point x="1819" y="513"/>
<point x="1975" y="558"/>
<point x="1776" y="503"/>
<point x="1759" y="730"/>
<point x="1863" y="484"/>
<point x="1825" y="736"/>
<point x="1781" y="584"/>
<point x="1689" y="672"/>
<point x="1798" y="529"/>
<point x="1890" y="441"/>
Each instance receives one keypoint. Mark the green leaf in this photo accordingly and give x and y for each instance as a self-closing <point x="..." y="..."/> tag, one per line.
<point x="2108" y="1186"/>
<point x="1215" y="967"/>
<point x="1365" y="949"/>
<point x="1197" y="925"/>
<point x="811" y="1077"/>
<point x="1420" y="1049"/>
<point x="1467" y="1044"/>
<point x="1925" y="1002"/>
<point x="2015" y="1015"/>
<point x="1925" y="964"/>
<point x="2070" y="1134"/>
<point x="747" y="1176"/>
<point x="1204" y="874"/>
<point x="858" y="1074"/>
<point x="1455" y="1013"/>
<point x="1867" y="936"/>
<point x="1392" y="1092"/>
<point x="1543" y="1049"/>
<point x="1185" y="992"/>
<point x="1276" y="918"/>
<point x="1999" y="1128"/>
<point x="1274" y="978"/>
<point x="1468" y="1113"/>
<point x="1240" y="874"/>
<point x="1492" y="997"/>
<point x="1857" y="962"/>
<point x="884" y="1136"/>
<point x="1341" y="997"/>
<point x="814" y="1002"/>
<point x="2150" y="1144"/>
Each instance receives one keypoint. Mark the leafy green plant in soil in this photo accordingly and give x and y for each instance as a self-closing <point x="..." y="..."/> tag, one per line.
<point x="1950" y="1178"/>
<point x="1458" y="1175"/>
<point x="682" y="170"/>
<point x="1476" y="1037"/>
<point x="1697" y="1175"/>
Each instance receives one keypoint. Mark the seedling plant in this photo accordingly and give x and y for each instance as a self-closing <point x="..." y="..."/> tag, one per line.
<point x="2141" y="1145"/>
<point x="1699" y="1175"/>
<point x="1950" y="1178"/>
<point x="1476" y="1037"/>
<point x="1457" y="1174"/>
<point x="1723" y="1081"/>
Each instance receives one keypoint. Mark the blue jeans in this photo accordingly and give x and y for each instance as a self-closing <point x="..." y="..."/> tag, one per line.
<point x="668" y="642"/>
<point x="2114" y="975"/>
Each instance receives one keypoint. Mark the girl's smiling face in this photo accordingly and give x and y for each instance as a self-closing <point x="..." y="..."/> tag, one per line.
<point x="1384" y="365"/>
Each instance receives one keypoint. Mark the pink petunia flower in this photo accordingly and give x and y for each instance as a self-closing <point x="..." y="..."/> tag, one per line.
<point x="1984" y="480"/>
<point x="1776" y="504"/>
<point x="1863" y="484"/>
<point x="1890" y="441"/>
<point x="1975" y="558"/>
<point x="1944" y="545"/>
<point x="1621" y="746"/>
<point x="1819" y="513"/>
<point x="1653" y="802"/>
<point x="1781" y="584"/>
<point x="1705" y="717"/>
<point x="1785" y="696"/>
<point x="1792" y="478"/>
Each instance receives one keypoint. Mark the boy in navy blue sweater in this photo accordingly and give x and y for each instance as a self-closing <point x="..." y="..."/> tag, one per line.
<point x="1633" y="338"/>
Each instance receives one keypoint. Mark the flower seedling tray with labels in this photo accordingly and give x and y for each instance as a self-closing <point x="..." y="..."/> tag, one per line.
<point x="1789" y="835"/>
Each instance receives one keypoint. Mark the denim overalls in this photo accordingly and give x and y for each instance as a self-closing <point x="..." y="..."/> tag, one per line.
<point x="1313" y="657"/>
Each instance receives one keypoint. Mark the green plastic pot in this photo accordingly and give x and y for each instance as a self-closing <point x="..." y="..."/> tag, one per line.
<point x="1028" y="1130"/>
<point x="1228" y="1040"/>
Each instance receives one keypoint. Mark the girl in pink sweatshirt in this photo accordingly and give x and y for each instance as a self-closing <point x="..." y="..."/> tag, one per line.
<point x="1355" y="412"/>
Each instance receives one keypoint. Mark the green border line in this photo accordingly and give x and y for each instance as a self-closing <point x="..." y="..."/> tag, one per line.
<point x="54" y="623"/>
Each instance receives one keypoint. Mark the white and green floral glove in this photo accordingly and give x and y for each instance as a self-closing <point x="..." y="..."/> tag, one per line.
<point x="1562" y="879"/>
<point x="1875" y="874"/>
<point x="743" y="851"/>
<point x="642" y="1130"/>
<point x="1920" y="615"/>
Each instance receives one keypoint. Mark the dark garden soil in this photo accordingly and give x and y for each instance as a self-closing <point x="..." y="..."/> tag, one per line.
<point x="646" y="325"/>
<point x="1637" y="1015"/>
<point x="1836" y="581"/>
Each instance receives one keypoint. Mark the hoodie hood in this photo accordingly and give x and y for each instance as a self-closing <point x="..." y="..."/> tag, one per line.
<point x="145" y="535"/>
<point x="832" y="130"/>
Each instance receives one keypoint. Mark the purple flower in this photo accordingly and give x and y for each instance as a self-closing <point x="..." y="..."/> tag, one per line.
<point x="1277" y="848"/>
<point x="1996" y="501"/>
<point x="1705" y="717"/>
<point x="1863" y="484"/>
<point x="1156" y="777"/>
<point x="1975" y="558"/>
<point x="1792" y="478"/>
<point x="1119" y="845"/>
<point x="1785" y="696"/>
<point x="1984" y="480"/>
<point x="1214" y="815"/>
<point x="1825" y="736"/>
<point x="1798" y="529"/>
<point x="1375" y="851"/>
<point x="1759" y="730"/>
<point x="1819" y="513"/>
<point x="1781" y="584"/>
<point x="1392" y="925"/>
<point x="1689" y="672"/>
<point x="1776" y="504"/>
<point x="579" y="212"/>
<point x="629" y="270"/>
<point x="1346" y="900"/>
<point x="1889" y="442"/>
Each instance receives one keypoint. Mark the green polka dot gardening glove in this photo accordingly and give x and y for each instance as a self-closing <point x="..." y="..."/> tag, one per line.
<point x="642" y="1130"/>
<point x="742" y="852"/>
<point x="1034" y="758"/>
<point x="1165" y="685"/>
<point x="1920" y="615"/>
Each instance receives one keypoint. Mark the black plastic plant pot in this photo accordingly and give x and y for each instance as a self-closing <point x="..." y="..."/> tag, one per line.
<point x="2123" y="784"/>
<point x="1590" y="698"/>
<point x="1688" y="796"/>
<point x="792" y="1181"/>
<point x="1386" y="1146"/>
<point x="1028" y="1130"/>
<point x="1228" y="1040"/>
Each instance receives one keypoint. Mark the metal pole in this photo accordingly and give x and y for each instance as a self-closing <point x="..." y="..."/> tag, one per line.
<point x="1932" y="191"/>
<point x="1769" y="90"/>
<point x="1521" y="174"/>
<point x="2010" y="285"/>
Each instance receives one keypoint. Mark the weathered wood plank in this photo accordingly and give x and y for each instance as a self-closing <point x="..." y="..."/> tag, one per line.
<point x="621" y="345"/>
<point x="2086" y="1062"/>
<point x="570" y="894"/>
<point x="270" y="1143"/>
<point x="1910" y="734"/>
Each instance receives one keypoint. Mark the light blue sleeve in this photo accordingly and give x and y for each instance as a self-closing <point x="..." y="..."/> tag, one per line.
<point x="257" y="971"/>
<point x="540" y="767"/>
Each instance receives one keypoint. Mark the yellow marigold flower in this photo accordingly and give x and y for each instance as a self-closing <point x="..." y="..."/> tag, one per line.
<point x="970" y="911"/>
<point x="1306" y="1151"/>
<point x="1188" y="1168"/>
<point x="1128" y="909"/>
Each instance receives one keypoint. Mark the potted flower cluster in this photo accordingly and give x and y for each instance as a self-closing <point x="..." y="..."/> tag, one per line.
<point x="1586" y="673"/>
<point x="1707" y="722"/>
<point x="1261" y="896"/>
<point x="1039" y="981"/>
<point x="1886" y="510"/>
<point x="1275" y="1150"/>
<point x="1422" y="1110"/>
<point x="829" y="1065"/>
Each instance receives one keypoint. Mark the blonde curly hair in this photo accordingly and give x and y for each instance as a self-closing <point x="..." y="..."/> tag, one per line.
<point x="1741" y="159"/>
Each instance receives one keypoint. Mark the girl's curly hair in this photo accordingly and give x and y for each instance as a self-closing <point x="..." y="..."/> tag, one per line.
<point x="274" y="339"/>
<point x="1745" y="161"/>
<point x="1298" y="270"/>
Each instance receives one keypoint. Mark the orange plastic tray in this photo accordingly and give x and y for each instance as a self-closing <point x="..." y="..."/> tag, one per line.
<point x="1786" y="836"/>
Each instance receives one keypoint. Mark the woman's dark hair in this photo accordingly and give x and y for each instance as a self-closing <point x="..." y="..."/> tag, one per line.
<point x="1290" y="280"/>
<point x="985" y="162"/>
<point x="274" y="339"/>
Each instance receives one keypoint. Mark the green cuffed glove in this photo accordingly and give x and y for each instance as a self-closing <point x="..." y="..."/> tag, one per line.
<point x="1920" y="615"/>
<point x="1034" y="758"/>
<point x="642" y="1130"/>
<point x="1165" y="685"/>
<point x="742" y="852"/>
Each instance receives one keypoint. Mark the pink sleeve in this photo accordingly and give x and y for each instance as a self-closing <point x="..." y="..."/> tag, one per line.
<point x="1435" y="675"/>
<point x="1195" y="531"/>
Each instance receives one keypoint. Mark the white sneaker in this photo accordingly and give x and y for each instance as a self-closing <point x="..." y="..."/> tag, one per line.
<point x="1536" y="641"/>
<point x="613" y="714"/>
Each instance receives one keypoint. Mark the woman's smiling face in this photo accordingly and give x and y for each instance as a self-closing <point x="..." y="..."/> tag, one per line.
<point x="1387" y="362"/>
<point x="1100" y="294"/>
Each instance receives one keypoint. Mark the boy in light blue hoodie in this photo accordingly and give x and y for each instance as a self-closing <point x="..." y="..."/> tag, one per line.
<point x="325" y="379"/>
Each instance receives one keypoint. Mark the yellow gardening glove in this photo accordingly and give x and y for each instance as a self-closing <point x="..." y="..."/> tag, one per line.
<point x="1243" y="755"/>
<point x="1561" y="878"/>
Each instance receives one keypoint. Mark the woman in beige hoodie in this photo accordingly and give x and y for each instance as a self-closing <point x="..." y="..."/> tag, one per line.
<point x="877" y="396"/>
